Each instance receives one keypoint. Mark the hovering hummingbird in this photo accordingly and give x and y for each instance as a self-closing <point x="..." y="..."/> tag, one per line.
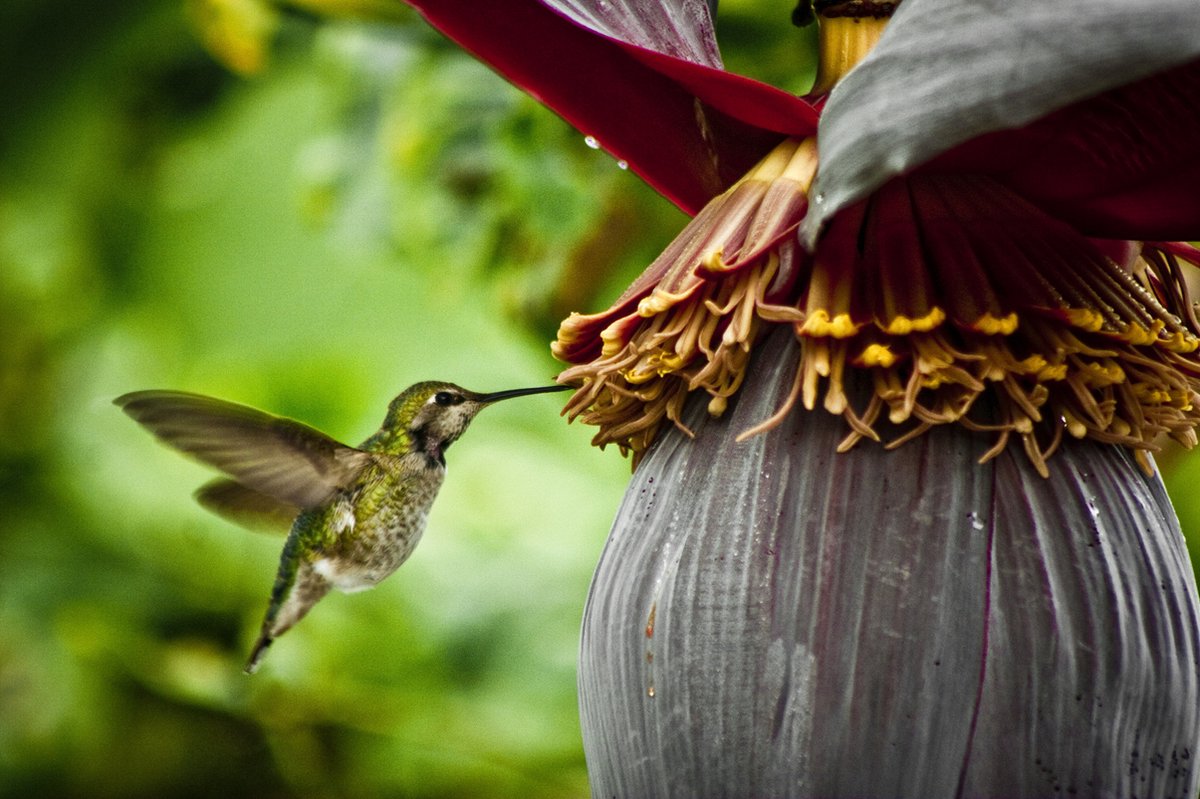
<point x="356" y="513"/>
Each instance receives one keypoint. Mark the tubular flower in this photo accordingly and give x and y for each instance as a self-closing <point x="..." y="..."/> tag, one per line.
<point x="944" y="287"/>
<point x="690" y="320"/>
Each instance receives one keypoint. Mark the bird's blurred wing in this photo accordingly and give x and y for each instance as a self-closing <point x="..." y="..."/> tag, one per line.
<point x="281" y="458"/>
<point x="244" y="506"/>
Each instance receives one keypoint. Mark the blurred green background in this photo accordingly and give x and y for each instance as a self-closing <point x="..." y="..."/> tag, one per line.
<point x="305" y="208"/>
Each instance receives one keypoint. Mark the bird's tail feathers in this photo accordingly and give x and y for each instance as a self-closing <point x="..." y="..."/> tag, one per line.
<point x="256" y="655"/>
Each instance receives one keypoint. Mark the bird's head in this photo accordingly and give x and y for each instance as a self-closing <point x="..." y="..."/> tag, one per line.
<point x="434" y="414"/>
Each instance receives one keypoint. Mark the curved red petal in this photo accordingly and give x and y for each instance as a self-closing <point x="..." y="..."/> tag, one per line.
<point x="688" y="129"/>
<point x="681" y="28"/>
<point x="946" y="74"/>
<point x="1122" y="164"/>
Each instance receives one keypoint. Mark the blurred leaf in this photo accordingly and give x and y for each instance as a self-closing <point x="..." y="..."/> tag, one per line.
<point x="237" y="32"/>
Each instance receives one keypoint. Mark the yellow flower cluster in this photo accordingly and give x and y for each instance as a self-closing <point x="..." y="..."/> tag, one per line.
<point x="964" y="303"/>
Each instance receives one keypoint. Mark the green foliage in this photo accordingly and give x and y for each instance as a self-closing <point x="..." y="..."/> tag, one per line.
<point x="267" y="240"/>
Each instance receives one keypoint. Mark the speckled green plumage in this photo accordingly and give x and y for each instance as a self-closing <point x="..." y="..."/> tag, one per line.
<point x="357" y="512"/>
<point x="355" y="540"/>
<point x="367" y="532"/>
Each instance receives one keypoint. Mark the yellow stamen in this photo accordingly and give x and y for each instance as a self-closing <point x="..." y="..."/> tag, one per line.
<point x="993" y="325"/>
<point x="1068" y="345"/>
<point x="820" y="325"/>
<point x="876" y="355"/>
<point x="902" y="325"/>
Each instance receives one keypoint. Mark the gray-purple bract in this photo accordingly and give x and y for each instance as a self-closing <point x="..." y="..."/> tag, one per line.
<point x="774" y="619"/>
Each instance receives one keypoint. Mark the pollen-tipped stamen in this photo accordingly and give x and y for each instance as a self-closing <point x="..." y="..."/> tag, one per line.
<point x="693" y="322"/>
<point x="945" y="289"/>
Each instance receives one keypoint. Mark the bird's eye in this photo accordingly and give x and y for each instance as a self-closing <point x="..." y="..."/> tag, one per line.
<point x="446" y="398"/>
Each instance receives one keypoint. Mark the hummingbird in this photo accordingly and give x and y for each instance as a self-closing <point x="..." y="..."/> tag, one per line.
<point x="356" y="513"/>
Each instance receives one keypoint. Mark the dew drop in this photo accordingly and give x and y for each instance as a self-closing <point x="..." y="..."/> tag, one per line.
<point x="650" y="692"/>
<point x="820" y="198"/>
<point x="590" y="141"/>
<point x="622" y="165"/>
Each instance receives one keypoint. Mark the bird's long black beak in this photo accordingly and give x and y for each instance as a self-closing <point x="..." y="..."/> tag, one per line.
<point x="520" y="392"/>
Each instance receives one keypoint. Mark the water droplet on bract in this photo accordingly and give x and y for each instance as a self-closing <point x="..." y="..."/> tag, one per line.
<point x="622" y="165"/>
<point x="650" y="692"/>
<point x="820" y="198"/>
<point x="590" y="141"/>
